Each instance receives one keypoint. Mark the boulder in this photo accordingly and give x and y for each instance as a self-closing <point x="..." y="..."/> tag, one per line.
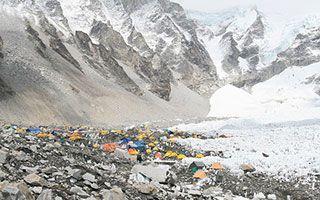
<point x="3" y="156"/>
<point x="79" y="191"/>
<point x="89" y="177"/>
<point x="16" y="191"/>
<point x="45" y="195"/>
<point x="113" y="194"/>
<point x="36" y="190"/>
<point x="247" y="168"/>
<point x="34" y="180"/>
<point x="146" y="188"/>
<point x="158" y="173"/>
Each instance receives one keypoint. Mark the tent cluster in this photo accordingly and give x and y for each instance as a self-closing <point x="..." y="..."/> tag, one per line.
<point x="200" y="170"/>
<point x="143" y="142"/>
<point x="147" y="143"/>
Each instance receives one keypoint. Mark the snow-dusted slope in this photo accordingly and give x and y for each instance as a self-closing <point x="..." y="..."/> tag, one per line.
<point x="230" y="101"/>
<point x="290" y="95"/>
<point x="283" y="150"/>
<point x="276" y="129"/>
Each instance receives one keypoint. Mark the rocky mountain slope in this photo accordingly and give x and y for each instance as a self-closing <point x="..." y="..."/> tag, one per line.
<point x="55" y="70"/>
<point x="123" y="61"/>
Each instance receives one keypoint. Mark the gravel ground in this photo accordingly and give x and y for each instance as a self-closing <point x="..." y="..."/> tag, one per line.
<point x="66" y="163"/>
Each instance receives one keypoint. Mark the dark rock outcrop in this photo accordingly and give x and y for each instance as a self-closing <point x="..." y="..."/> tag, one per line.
<point x="5" y="90"/>
<point x="251" y="54"/>
<point x="137" y="40"/>
<point x="230" y="63"/>
<point x="57" y="45"/>
<point x="1" y="47"/>
<point x="101" y="60"/>
<point x="38" y="43"/>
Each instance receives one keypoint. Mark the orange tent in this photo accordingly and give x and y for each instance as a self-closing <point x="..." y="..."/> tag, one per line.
<point x="110" y="147"/>
<point x="158" y="155"/>
<point x="43" y="135"/>
<point x="75" y="136"/>
<point x="133" y="152"/>
<point x="200" y="174"/>
<point x="217" y="166"/>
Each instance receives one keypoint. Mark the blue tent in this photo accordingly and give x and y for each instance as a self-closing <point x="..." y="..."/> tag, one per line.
<point x="140" y="145"/>
<point x="125" y="141"/>
<point x="34" y="130"/>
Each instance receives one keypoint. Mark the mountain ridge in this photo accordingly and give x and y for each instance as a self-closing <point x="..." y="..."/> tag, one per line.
<point x="153" y="52"/>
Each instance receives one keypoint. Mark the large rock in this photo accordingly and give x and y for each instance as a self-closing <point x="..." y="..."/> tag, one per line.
<point x="146" y="188"/>
<point x="79" y="191"/>
<point x="158" y="173"/>
<point x="16" y="191"/>
<point x="247" y="168"/>
<point x="3" y="156"/>
<point x="113" y="194"/>
<point x="35" y="180"/>
<point x="45" y="195"/>
<point x="89" y="177"/>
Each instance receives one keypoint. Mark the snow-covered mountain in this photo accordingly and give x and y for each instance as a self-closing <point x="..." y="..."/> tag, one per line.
<point x="274" y="58"/>
<point x="244" y="41"/>
<point x="149" y="58"/>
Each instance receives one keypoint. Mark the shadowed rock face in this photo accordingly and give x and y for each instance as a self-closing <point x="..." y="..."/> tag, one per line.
<point x="1" y="47"/>
<point x="242" y="47"/>
<point x="199" y="56"/>
<point x="55" y="41"/>
<point x="5" y="91"/>
<point x="230" y="62"/>
<point x="38" y="43"/>
<point x="250" y="51"/>
<point x="101" y="60"/>
<point x="57" y="45"/>
<point x="137" y="40"/>
<point x="251" y="54"/>
<point x="53" y="8"/>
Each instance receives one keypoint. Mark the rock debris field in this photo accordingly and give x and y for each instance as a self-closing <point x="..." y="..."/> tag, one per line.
<point x="58" y="163"/>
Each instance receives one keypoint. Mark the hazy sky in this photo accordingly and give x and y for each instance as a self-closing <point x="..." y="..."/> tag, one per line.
<point x="290" y="7"/>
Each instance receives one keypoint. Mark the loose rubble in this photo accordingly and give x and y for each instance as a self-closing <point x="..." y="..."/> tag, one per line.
<point x="56" y="163"/>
